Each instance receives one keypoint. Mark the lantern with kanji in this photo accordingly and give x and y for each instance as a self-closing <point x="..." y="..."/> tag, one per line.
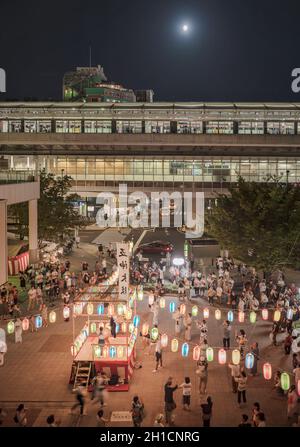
<point x="121" y="352"/>
<point x="230" y="316"/>
<point x="285" y="381"/>
<point x="162" y="303"/>
<point x="172" y="306"/>
<point x="196" y="353"/>
<point x="120" y="309"/>
<point x="90" y="309"/>
<point x="25" y="324"/>
<point x="93" y="328"/>
<point x="112" y="352"/>
<point x="249" y="360"/>
<point x="52" y="316"/>
<point x="123" y="327"/>
<point x="110" y="310"/>
<point x="241" y="316"/>
<point x="38" y="321"/>
<point x="164" y="340"/>
<point x="66" y="312"/>
<point x="151" y="298"/>
<point x="10" y="327"/>
<point x="136" y="321"/>
<point x="185" y="350"/>
<point x="209" y="354"/>
<point x="100" y="309"/>
<point x="252" y="317"/>
<point x="154" y="333"/>
<point x="97" y="351"/>
<point x="105" y="352"/>
<point x="236" y="356"/>
<point x="194" y="311"/>
<point x="265" y="314"/>
<point x="290" y="314"/>
<point x="77" y="308"/>
<point x="174" y="345"/>
<point x="128" y="314"/>
<point x="218" y="314"/>
<point x="182" y="309"/>
<point x="267" y="369"/>
<point x="277" y="315"/>
<point x="206" y="313"/>
<point x="222" y="356"/>
<point x="145" y="329"/>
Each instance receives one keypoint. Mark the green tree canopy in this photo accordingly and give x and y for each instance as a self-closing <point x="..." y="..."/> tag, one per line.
<point x="259" y="223"/>
<point x="57" y="216"/>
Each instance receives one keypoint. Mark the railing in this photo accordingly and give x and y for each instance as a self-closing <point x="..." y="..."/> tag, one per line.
<point x="11" y="176"/>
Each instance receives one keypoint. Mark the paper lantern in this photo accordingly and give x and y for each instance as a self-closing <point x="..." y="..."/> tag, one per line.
<point x="267" y="369"/>
<point x="38" y="321"/>
<point x="73" y="351"/>
<point x="120" y="309"/>
<point x="105" y="352"/>
<point x="196" y="353"/>
<point x="77" y="308"/>
<point x="222" y="356"/>
<point x="130" y="328"/>
<point x="100" y="309"/>
<point x="97" y="351"/>
<point x="10" y="327"/>
<point x="164" y="340"/>
<point x="162" y="303"/>
<point x="277" y="315"/>
<point x="145" y="329"/>
<point x="265" y="314"/>
<point x="66" y="312"/>
<point x="218" y="314"/>
<point x="185" y="350"/>
<point x="230" y="316"/>
<point x="252" y="317"/>
<point x="124" y="327"/>
<point x="182" y="309"/>
<point x="25" y="324"/>
<point x="154" y="333"/>
<point x="128" y="314"/>
<point x="90" y="309"/>
<point x="290" y="314"/>
<point x="121" y="352"/>
<point x="140" y="295"/>
<point x="236" y="356"/>
<point x="206" y="313"/>
<point x="285" y="381"/>
<point x="112" y="352"/>
<point x="249" y="360"/>
<point x="209" y="354"/>
<point x="150" y="299"/>
<point x="93" y="328"/>
<point x="110" y="310"/>
<point x="194" y="311"/>
<point x="172" y="306"/>
<point x="174" y="345"/>
<point x="52" y="316"/>
<point x="136" y="321"/>
<point x="241" y="317"/>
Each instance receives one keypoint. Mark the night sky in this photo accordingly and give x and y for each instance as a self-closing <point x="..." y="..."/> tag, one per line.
<point x="236" y="50"/>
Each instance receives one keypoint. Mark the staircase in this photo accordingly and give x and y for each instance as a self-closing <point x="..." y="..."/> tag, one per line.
<point x="83" y="373"/>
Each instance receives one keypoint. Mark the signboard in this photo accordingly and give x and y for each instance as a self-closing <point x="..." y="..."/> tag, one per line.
<point x="123" y="266"/>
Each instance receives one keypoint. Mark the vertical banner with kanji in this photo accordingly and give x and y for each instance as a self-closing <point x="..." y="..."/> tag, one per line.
<point x="123" y="266"/>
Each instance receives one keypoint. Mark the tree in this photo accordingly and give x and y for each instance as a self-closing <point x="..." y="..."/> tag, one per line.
<point x="259" y="223"/>
<point x="57" y="216"/>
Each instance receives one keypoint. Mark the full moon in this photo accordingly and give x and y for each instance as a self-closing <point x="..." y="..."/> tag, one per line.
<point x="185" y="28"/>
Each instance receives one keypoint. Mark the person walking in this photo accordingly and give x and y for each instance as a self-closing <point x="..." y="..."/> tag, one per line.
<point x="242" y="383"/>
<point x="31" y="298"/>
<point x="226" y="334"/>
<point x="245" y="421"/>
<point x="207" y="412"/>
<point x="137" y="411"/>
<point x="186" y="393"/>
<point x="202" y="372"/>
<point x="188" y="326"/>
<point x="20" y="417"/>
<point x="235" y="373"/>
<point x="292" y="402"/>
<point x="80" y="397"/>
<point x="170" y="404"/>
<point x="158" y="354"/>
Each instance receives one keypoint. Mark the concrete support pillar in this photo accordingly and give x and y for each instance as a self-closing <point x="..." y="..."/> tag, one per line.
<point x="33" y="232"/>
<point x="3" y="242"/>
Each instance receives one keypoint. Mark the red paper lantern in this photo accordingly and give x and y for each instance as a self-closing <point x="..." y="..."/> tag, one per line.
<point x="265" y="314"/>
<point x="196" y="353"/>
<point x="241" y="317"/>
<point x="267" y="368"/>
<point x="222" y="356"/>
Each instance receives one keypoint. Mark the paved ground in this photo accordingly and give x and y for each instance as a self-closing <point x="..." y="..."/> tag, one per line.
<point x="37" y="372"/>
